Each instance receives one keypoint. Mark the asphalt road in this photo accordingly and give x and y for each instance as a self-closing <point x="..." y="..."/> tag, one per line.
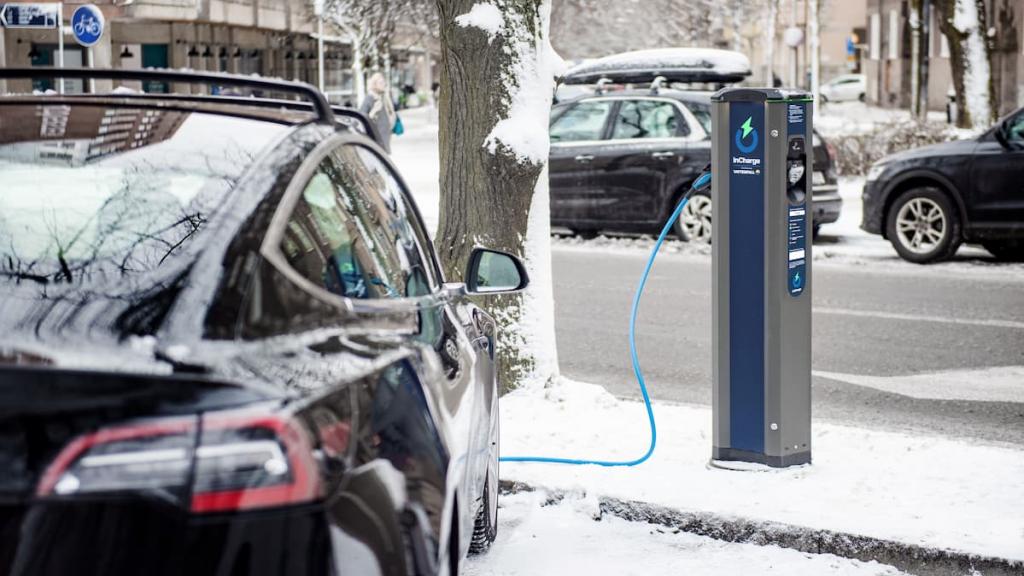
<point x="887" y="322"/>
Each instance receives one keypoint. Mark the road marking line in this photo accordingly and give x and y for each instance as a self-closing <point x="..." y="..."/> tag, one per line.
<point x="921" y="318"/>
<point x="995" y="384"/>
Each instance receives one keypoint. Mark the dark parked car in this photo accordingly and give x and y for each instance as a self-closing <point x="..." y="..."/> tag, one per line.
<point x="929" y="200"/>
<point x="227" y="347"/>
<point x="622" y="160"/>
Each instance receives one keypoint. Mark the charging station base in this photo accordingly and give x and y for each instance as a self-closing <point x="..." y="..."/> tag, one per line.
<point x="735" y="455"/>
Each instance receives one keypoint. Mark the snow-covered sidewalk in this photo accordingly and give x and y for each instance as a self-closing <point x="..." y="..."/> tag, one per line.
<point x="537" y="538"/>
<point x="916" y="490"/>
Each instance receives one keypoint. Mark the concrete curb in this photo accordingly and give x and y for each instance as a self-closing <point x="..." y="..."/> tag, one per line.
<point x="922" y="561"/>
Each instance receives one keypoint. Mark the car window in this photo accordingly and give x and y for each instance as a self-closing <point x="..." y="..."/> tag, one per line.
<point x="1015" y="129"/>
<point x="585" y="121"/>
<point x="351" y="232"/>
<point x="115" y="196"/>
<point x="703" y="114"/>
<point x="647" y="119"/>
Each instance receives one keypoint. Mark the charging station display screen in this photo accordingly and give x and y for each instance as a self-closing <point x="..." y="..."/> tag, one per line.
<point x="796" y="193"/>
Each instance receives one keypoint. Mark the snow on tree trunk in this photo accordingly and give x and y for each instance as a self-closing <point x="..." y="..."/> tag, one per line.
<point x="497" y="80"/>
<point x="963" y="23"/>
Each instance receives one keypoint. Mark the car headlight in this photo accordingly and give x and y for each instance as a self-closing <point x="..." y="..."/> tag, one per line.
<point x="876" y="171"/>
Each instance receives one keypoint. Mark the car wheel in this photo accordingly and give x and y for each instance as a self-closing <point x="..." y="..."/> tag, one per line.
<point x="485" y="526"/>
<point x="923" y="226"/>
<point x="824" y="99"/>
<point x="862" y="97"/>
<point x="694" y="224"/>
<point x="1008" y="250"/>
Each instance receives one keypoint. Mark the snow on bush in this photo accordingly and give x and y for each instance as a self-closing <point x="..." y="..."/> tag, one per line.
<point x="856" y="152"/>
<point x="484" y="16"/>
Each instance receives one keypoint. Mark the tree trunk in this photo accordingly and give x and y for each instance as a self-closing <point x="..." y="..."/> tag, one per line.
<point x="813" y="8"/>
<point x="769" y="43"/>
<point x="916" y="55"/>
<point x="493" y="187"/>
<point x="963" y="23"/>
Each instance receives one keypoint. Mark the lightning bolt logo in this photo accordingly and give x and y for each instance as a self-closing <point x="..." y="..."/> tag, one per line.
<point x="747" y="128"/>
<point x="743" y="144"/>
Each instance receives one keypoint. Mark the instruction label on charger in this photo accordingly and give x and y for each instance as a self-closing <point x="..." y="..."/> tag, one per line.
<point x="797" y="261"/>
<point x="796" y="234"/>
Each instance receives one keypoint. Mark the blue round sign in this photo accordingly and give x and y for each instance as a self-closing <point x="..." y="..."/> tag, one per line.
<point x="87" y="24"/>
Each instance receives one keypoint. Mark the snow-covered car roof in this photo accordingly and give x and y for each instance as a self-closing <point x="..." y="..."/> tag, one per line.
<point x="675" y="64"/>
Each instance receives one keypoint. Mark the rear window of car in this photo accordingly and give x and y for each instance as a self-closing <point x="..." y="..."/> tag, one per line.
<point x="703" y="114"/>
<point x="94" y="193"/>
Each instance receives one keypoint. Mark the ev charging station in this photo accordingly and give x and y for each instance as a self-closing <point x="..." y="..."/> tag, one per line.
<point x="761" y="266"/>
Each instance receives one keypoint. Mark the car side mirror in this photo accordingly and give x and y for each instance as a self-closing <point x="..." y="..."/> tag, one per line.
<point x="493" y="272"/>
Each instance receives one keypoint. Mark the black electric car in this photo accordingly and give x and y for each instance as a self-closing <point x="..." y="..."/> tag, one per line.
<point x="226" y="344"/>
<point x="929" y="200"/>
<point x="622" y="160"/>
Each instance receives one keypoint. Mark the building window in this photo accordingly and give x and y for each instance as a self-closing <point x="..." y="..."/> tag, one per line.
<point x="875" y="51"/>
<point x="894" y="34"/>
<point x="155" y="56"/>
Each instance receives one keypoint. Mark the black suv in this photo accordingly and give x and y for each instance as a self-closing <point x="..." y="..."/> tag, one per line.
<point x="622" y="160"/>
<point x="929" y="200"/>
<point x="226" y="344"/>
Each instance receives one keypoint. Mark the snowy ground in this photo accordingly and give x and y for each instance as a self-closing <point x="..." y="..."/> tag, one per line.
<point x="917" y="490"/>
<point x="537" y="538"/>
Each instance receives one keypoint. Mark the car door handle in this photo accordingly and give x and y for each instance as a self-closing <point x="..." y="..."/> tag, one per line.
<point x="663" y="155"/>
<point x="584" y="158"/>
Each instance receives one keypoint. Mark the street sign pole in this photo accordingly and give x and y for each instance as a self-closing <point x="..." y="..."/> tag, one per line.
<point x="60" y="44"/>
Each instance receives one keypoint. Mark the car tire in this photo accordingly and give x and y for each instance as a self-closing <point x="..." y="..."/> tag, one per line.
<point x="1006" y="250"/>
<point x="584" y="233"/>
<point x="694" y="224"/>
<point x="485" y="525"/>
<point x="923" y="225"/>
<point x="862" y="97"/>
<point x="824" y="99"/>
<point x="815" y="231"/>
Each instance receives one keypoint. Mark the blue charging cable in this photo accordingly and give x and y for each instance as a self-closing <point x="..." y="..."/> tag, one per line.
<point x="701" y="182"/>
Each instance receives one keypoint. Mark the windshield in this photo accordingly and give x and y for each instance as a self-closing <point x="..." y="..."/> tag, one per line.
<point x="92" y="193"/>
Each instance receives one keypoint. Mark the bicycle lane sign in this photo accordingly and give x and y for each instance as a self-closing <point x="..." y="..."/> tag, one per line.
<point x="87" y="24"/>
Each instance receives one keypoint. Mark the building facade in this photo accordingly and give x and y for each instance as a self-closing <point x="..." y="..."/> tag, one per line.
<point x="274" y="38"/>
<point x="888" y="55"/>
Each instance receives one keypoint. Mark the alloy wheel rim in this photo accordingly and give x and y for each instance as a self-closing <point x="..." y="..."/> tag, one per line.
<point x="921" y="225"/>
<point x="696" y="219"/>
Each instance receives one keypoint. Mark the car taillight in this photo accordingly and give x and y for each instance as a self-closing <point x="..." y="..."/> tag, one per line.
<point x="147" y="456"/>
<point x="241" y="461"/>
<point x="245" y="462"/>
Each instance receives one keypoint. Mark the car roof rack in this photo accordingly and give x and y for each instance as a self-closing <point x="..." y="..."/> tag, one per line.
<point x="599" y="88"/>
<point x="317" y="101"/>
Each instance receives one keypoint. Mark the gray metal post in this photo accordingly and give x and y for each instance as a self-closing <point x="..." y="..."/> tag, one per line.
<point x="60" y="44"/>
<point x="761" y="264"/>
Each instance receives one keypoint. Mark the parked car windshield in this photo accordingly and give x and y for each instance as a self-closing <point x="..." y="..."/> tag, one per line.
<point x="93" y="194"/>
